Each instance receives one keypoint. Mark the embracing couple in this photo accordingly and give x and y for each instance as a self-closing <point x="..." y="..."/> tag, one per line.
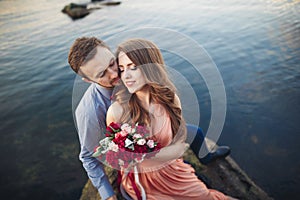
<point x="133" y="86"/>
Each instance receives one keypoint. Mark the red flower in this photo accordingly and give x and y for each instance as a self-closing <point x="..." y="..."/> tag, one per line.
<point x="140" y="149"/>
<point x="113" y="127"/>
<point x="135" y="151"/>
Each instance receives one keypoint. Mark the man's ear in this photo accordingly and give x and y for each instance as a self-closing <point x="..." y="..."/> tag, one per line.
<point x="86" y="80"/>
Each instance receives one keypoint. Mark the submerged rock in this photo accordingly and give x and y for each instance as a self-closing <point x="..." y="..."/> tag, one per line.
<point x="77" y="11"/>
<point x="224" y="175"/>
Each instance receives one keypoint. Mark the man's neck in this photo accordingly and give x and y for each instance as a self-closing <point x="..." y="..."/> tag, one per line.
<point x="106" y="91"/>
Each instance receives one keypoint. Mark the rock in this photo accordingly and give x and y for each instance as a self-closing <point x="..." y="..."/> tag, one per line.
<point x="223" y="174"/>
<point x="89" y="192"/>
<point x="226" y="176"/>
<point x="76" y="11"/>
<point x="111" y="3"/>
<point x="108" y="2"/>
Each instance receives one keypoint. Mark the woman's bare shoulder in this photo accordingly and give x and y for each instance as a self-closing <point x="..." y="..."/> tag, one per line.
<point x="114" y="113"/>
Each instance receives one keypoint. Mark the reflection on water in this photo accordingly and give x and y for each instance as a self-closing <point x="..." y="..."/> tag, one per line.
<point x="255" y="45"/>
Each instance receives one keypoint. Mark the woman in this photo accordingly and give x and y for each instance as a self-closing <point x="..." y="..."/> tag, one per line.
<point x="147" y="96"/>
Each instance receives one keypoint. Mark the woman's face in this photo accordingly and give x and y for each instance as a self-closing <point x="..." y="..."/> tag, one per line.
<point x="131" y="75"/>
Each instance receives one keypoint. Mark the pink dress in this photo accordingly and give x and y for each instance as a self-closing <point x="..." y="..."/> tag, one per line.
<point x="175" y="180"/>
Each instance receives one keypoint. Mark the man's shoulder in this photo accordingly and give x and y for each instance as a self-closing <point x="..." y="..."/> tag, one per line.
<point x="91" y="94"/>
<point x="89" y="100"/>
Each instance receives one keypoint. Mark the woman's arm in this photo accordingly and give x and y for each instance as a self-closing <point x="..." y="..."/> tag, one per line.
<point x="181" y="133"/>
<point x="175" y="150"/>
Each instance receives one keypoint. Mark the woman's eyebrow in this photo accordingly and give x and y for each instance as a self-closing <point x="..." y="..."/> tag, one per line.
<point x="128" y="65"/>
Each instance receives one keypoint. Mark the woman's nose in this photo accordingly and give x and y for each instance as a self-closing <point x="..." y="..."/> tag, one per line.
<point x="126" y="74"/>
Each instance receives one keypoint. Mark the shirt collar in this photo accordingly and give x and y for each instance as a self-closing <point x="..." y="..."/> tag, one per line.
<point x="107" y="92"/>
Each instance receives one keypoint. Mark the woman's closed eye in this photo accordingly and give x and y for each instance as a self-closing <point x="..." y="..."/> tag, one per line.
<point x="131" y="67"/>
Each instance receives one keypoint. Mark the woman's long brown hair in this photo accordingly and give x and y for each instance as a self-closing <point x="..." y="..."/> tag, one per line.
<point x="146" y="56"/>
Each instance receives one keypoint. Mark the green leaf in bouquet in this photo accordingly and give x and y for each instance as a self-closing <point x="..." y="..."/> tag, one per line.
<point x="97" y="152"/>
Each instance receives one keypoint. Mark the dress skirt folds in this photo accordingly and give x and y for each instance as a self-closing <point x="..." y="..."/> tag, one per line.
<point x="172" y="180"/>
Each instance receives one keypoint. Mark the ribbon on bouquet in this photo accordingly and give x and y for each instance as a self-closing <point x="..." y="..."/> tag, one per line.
<point x="134" y="178"/>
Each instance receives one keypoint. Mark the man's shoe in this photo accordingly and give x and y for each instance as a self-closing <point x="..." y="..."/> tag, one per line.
<point x="221" y="152"/>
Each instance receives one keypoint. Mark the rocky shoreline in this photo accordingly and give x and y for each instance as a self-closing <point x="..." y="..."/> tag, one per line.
<point x="224" y="175"/>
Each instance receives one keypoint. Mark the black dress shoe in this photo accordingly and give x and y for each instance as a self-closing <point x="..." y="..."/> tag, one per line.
<point x="221" y="152"/>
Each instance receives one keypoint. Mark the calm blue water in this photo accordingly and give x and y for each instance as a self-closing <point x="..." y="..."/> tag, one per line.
<point x="255" y="45"/>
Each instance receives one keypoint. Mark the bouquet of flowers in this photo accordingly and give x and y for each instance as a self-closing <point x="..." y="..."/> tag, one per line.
<point x="126" y="144"/>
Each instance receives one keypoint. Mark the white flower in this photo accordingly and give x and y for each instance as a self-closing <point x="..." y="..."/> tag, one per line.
<point x="113" y="147"/>
<point x="141" y="141"/>
<point x="104" y="142"/>
<point x="128" y="142"/>
<point x="150" y="143"/>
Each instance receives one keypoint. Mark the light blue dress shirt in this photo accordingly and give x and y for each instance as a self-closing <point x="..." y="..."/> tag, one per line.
<point x="90" y="118"/>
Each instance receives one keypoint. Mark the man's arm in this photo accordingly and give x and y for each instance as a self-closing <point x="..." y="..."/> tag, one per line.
<point x="89" y="131"/>
<point x="96" y="174"/>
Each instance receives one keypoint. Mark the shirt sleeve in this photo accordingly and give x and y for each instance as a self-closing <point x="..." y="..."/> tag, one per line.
<point x="96" y="174"/>
<point x="89" y="132"/>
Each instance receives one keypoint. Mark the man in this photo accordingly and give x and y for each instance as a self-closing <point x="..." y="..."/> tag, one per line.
<point x="91" y="59"/>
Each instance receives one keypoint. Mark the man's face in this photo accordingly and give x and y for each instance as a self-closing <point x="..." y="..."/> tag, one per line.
<point x="101" y="69"/>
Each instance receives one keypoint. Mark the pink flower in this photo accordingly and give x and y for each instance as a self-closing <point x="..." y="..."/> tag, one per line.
<point x="113" y="147"/>
<point x="126" y="127"/>
<point x="123" y="133"/>
<point x="150" y="143"/>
